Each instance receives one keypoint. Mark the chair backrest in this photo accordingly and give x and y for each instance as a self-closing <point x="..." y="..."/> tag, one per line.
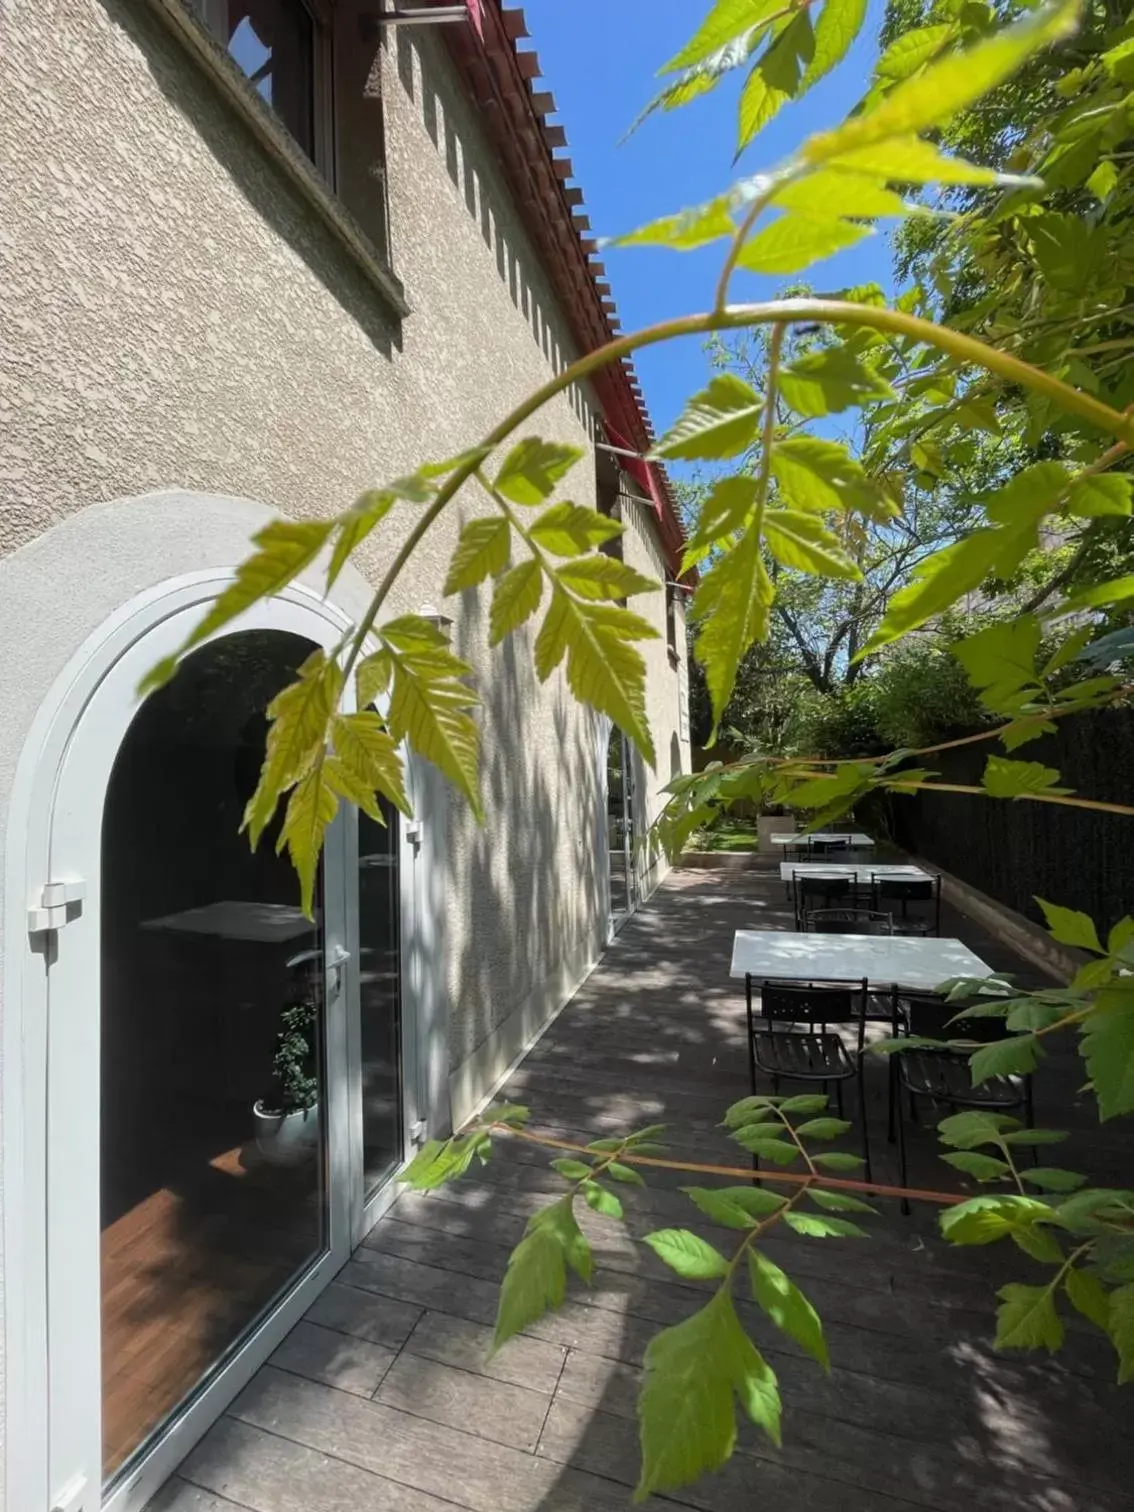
<point x="823" y="847"/>
<point x="864" y="921"/>
<point x="904" y="889"/>
<point x="932" y="1016"/>
<point x="814" y="1002"/>
<point x="816" y="885"/>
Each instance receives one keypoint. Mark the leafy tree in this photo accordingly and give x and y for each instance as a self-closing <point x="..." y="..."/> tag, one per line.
<point x="800" y="504"/>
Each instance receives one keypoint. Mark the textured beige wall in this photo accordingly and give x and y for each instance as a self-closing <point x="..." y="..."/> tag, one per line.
<point x="178" y="316"/>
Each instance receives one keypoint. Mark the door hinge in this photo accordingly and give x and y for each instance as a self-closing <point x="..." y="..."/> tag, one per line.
<point x="417" y="1131"/>
<point x="59" y="903"/>
<point x="413" y="835"/>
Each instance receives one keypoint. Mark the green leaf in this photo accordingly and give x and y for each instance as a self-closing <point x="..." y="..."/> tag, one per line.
<point x="368" y="752"/>
<point x="973" y="1163"/>
<point x="837" y="1160"/>
<point x="1013" y="1056"/>
<point x="624" y="1173"/>
<point x="1116" y="591"/>
<point x="534" y="1283"/>
<point x="787" y="1307"/>
<point x="726" y="21"/>
<point x="763" y="1142"/>
<point x="374" y="505"/>
<point x="299" y="718"/>
<point x="310" y="808"/>
<point x="1121" y="935"/>
<point x="703" y="76"/>
<point x="603" y="668"/>
<point x="751" y="1110"/>
<point x="721" y="421"/>
<point x="1019" y="779"/>
<point x="570" y="530"/>
<point x="829" y="381"/>
<point x="725" y="509"/>
<point x="531" y="470"/>
<point x="823" y="1128"/>
<point x="816" y="1227"/>
<point x="733" y="602"/>
<point x="1103" y="180"/>
<point x="1001" y="659"/>
<point x="687" y="1254"/>
<point x="775" y="78"/>
<point x="936" y="94"/>
<point x="372" y="677"/>
<point x="1039" y="1244"/>
<point x="514" y="600"/>
<point x="794" y="242"/>
<point x="1108" y="1049"/>
<point x="1121" y="1330"/>
<point x="914" y="49"/>
<point x="908" y="160"/>
<point x="964" y="1131"/>
<point x="482" y="550"/>
<point x="1034" y="1136"/>
<point x="429" y="701"/>
<point x="840" y="21"/>
<point x="805" y="1102"/>
<point x="571" y="1170"/>
<point x="651" y="1131"/>
<point x="439" y="1161"/>
<point x="285" y="548"/>
<point x="803" y="541"/>
<point x="1027" y="1318"/>
<point x="984" y="1220"/>
<point x="822" y="475"/>
<point x="686" y="1409"/>
<point x="1105" y="494"/>
<point x="1070" y="927"/>
<point x="1088" y="1296"/>
<point x="508" y="1113"/>
<point x="603" y="577"/>
<point x="601" y="1200"/>
<point x="688" y="229"/>
<point x="838" y="1202"/>
<point x="734" y="1207"/>
<point x="830" y="194"/>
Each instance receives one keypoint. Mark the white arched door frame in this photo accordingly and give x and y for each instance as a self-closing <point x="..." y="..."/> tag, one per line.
<point x="47" y="1407"/>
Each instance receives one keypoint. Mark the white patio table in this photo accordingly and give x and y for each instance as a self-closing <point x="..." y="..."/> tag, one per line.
<point x="917" y="964"/>
<point x="857" y="873"/>
<point x="840" y="837"/>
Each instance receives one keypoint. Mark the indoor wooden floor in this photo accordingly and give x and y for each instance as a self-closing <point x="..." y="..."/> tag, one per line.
<point x="183" y="1273"/>
<point x="385" y="1400"/>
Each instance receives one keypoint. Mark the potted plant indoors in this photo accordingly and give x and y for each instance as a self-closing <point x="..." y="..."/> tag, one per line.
<point x="287" y="1120"/>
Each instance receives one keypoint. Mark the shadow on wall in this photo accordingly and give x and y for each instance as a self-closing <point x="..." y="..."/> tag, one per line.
<point x="267" y="190"/>
<point x="531" y="874"/>
<point x="512" y="263"/>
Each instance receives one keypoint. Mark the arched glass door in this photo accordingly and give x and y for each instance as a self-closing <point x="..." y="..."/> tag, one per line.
<point x="198" y="1142"/>
<point x="620" y="827"/>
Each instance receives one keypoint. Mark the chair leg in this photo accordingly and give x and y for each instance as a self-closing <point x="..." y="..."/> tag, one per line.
<point x="839" y="1097"/>
<point x="902" y="1148"/>
<point x="891" y="1089"/>
<point x="775" y="1086"/>
<point x="862" y="1111"/>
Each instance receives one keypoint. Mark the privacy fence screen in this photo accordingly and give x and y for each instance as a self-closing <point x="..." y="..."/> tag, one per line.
<point x="1014" y="850"/>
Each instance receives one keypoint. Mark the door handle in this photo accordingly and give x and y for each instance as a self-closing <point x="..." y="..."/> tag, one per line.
<point x="336" y="961"/>
<point x="72" y="1498"/>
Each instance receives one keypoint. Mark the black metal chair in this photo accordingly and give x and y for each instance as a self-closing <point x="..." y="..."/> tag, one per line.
<point x="942" y="1077"/>
<point x="907" y="890"/>
<point x="820" y="887"/>
<point x="828" y="847"/>
<point x="795" y="1053"/>
<point x="863" y="921"/>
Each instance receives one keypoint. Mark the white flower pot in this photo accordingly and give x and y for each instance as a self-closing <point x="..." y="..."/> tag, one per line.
<point x="286" y="1139"/>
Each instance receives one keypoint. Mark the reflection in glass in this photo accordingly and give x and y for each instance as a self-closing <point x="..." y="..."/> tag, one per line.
<point x="380" y="996"/>
<point x="619" y="824"/>
<point x="212" y="1148"/>
<point x="273" y="42"/>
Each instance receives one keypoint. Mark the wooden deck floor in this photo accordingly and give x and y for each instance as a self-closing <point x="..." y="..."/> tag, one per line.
<point x="382" y="1399"/>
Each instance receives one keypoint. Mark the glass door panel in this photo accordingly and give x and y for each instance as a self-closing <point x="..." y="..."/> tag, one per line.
<point x="379" y="996"/>
<point x="213" y="1050"/>
<point x="620" y="824"/>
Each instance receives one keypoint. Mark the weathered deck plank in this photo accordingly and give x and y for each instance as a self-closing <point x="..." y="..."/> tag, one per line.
<point x="918" y="1411"/>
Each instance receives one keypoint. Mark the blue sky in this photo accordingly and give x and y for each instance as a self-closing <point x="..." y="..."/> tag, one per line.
<point x="599" y="59"/>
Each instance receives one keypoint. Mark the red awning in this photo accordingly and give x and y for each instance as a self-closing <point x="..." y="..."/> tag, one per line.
<point x="476" y="16"/>
<point x="644" y="473"/>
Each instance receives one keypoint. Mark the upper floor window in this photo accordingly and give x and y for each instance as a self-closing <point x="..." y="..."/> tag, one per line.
<point x="276" y="43"/>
